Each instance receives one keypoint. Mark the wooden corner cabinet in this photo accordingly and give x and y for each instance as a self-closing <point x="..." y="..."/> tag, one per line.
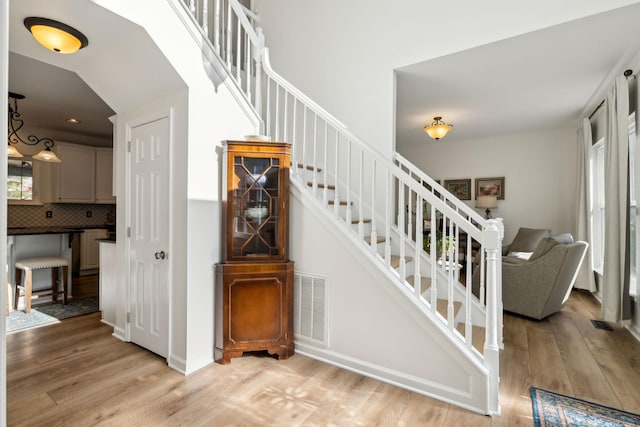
<point x="254" y="281"/>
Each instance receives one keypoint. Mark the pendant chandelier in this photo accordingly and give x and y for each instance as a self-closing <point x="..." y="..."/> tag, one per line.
<point x="15" y="123"/>
<point x="437" y="129"/>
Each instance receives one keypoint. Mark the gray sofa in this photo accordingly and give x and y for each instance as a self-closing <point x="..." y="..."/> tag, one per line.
<point x="540" y="285"/>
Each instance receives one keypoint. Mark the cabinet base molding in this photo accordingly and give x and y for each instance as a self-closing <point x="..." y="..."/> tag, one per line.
<point x="254" y="309"/>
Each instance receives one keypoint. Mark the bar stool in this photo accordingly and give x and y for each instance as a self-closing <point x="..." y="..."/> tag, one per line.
<point x="56" y="264"/>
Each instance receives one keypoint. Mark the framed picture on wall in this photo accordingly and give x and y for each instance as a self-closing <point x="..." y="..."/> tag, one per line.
<point x="461" y="188"/>
<point x="490" y="187"/>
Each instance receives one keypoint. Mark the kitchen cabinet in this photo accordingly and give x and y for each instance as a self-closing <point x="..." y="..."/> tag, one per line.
<point x="85" y="174"/>
<point x="254" y="283"/>
<point x="76" y="182"/>
<point x="89" y="248"/>
<point x="104" y="176"/>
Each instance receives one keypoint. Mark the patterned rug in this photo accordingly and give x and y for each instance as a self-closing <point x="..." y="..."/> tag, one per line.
<point x="20" y="321"/>
<point x="47" y="314"/>
<point x="554" y="409"/>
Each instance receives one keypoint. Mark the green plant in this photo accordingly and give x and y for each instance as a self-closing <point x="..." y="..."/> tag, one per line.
<point x="449" y="243"/>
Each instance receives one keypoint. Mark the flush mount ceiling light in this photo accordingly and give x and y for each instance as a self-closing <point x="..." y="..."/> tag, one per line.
<point x="437" y="129"/>
<point x="15" y="123"/>
<point x="55" y="35"/>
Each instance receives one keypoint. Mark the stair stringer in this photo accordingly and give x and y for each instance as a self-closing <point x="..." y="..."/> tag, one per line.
<point x="377" y="327"/>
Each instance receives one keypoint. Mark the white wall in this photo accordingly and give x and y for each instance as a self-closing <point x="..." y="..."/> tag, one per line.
<point x="342" y="54"/>
<point x="539" y="170"/>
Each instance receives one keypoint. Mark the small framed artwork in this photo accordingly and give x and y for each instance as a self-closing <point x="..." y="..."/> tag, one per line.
<point x="461" y="188"/>
<point x="490" y="187"/>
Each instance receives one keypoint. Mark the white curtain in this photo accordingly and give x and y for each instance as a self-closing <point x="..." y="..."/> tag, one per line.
<point x="585" y="278"/>
<point x="616" y="304"/>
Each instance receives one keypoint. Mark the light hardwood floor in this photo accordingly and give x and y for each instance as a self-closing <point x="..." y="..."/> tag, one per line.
<point x="75" y="373"/>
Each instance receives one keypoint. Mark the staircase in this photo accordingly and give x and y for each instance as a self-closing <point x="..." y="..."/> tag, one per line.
<point x="421" y="238"/>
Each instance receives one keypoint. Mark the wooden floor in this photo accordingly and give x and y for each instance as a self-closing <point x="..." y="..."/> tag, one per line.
<point x="75" y="373"/>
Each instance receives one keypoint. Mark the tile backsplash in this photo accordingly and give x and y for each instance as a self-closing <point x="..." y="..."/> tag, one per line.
<point x="62" y="215"/>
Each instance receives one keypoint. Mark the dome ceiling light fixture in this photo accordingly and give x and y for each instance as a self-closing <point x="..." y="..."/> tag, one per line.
<point x="437" y="129"/>
<point x="55" y="35"/>
<point x="15" y="123"/>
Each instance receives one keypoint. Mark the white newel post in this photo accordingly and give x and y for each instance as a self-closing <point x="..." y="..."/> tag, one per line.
<point x="491" y="237"/>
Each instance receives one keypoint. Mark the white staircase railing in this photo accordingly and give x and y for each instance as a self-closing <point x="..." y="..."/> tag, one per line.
<point x="433" y="243"/>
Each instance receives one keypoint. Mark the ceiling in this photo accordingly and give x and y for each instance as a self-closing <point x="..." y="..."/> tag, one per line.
<point x="540" y="80"/>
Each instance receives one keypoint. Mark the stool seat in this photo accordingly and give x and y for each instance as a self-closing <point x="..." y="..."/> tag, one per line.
<point x="59" y="270"/>
<point x="41" y="262"/>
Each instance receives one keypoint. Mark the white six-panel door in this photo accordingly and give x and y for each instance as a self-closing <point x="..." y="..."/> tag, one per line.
<point x="149" y="241"/>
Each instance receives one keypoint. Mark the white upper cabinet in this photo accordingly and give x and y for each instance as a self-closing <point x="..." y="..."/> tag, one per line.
<point x="85" y="174"/>
<point x="104" y="176"/>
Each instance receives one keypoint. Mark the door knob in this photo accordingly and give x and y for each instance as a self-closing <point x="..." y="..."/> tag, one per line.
<point x="160" y="255"/>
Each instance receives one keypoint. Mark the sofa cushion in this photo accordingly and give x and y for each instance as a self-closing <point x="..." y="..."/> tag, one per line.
<point x="547" y="243"/>
<point x="527" y="239"/>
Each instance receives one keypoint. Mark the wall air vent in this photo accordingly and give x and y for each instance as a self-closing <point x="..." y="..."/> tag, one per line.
<point x="311" y="314"/>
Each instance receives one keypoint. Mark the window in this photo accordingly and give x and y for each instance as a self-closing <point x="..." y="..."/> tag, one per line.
<point x="633" y="208"/>
<point x="596" y="166"/>
<point x="597" y="205"/>
<point x="22" y="179"/>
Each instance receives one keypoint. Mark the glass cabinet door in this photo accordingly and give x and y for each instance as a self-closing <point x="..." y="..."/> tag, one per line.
<point x="256" y="204"/>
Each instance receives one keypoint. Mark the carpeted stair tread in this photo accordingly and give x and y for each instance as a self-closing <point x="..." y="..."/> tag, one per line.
<point x="379" y="239"/>
<point x="320" y="185"/>
<point x="425" y="283"/>
<point x="364" y="221"/>
<point x="477" y="339"/>
<point x="342" y="202"/>
<point x="395" y="261"/>
<point x="308" y="167"/>
<point x="442" y="304"/>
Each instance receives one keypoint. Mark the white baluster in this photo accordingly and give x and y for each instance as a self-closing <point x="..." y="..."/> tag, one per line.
<point x="468" y="326"/>
<point x="294" y="137"/>
<point x="360" y="195"/>
<point x="258" y="54"/>
<point x="325" y="190"/>
<point x="336" y="195"/>
<point x="401" y="218"/>
<point x="417" y="279"/>
<point x="348" y="169"/>
<point x="217" y="29"/>
<point x="247" y="66"/>
<point x="228" y="52"/>
<point x="269" y="107"/>
<point x="434" y="262"/>
<point x="374" y="233"/>
<point x="451" y="261"/>
<point x="277" y="115"/>
<point x="303" y="157"/>
<point x="286" y="114"/>
<point x="315" y="155"/>
<point x="387" y="219"/>
<point x="238" y="51"/>
<point x="205" y="17"/>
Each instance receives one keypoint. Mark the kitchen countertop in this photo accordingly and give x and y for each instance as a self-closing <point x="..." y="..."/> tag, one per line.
<point x="23" y="231"/>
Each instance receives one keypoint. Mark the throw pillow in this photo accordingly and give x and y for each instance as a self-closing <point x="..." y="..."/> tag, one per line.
<point x="527" y="239"/>
<point x="543" y="247"/>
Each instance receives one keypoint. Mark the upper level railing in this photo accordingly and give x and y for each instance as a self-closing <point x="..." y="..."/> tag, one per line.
<point x="430" y="242"/>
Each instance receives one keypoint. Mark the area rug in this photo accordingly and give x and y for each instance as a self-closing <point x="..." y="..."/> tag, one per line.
<point x="554" y="409"/>
<point x="20" y="321"/>
<point x="75" y="307"/>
